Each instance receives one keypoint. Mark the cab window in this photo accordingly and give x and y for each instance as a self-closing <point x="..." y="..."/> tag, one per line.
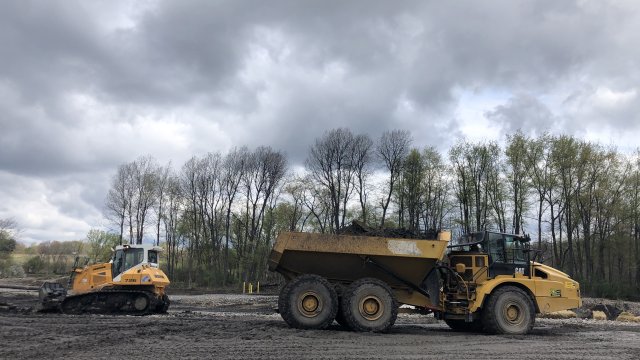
<point x="118" y="263"/>
<point x="153" y="257"/>
<point x="133" y="257"/>
<point x="496" y="247"/>
<point x="514" y="250"/>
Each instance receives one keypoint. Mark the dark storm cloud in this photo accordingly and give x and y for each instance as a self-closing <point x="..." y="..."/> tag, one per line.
<point x="86" y="86"/>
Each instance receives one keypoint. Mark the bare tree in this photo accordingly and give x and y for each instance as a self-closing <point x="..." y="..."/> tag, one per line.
<point x="296" y="190"/>
<point x="171" y="219"/>
<point x="162" y="180"/>
<point x="538" y="168"/>
<point x="519" y="183"/>
<point x="478" y="188"/>
<point x="233" y="168"/>
<point x="494" y="181"/>
<point x="8" y="232"/>
<point x="411" y="188"/>
<point x="436" y="189"/>
<point x="189" y="189"/>
<point x="119" y="198"/>
<point x="317" y="201"/>
<point x="144" y="178"/>
<point x="263" y="173"/>
<point x="392" y="149"/>
<point x="565" y="152"/>
<point x="362" y="159"/>
<point x="330" y="164"/>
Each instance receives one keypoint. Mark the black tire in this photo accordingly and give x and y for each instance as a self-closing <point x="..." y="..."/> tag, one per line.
<point x="463" y="326"/>
<point x="369" y="305"/>
<point x="284" y="291"/>
<point x="509" y="310"/>
<point x="308" y="302"/>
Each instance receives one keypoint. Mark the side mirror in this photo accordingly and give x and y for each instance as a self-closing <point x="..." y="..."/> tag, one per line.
<point x="460" y="268"/>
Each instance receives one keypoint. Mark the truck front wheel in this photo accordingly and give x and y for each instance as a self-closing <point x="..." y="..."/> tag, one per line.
<point x="509" y="310"/>
<point x="308" y="302"/>
<point x="369" y="305"/>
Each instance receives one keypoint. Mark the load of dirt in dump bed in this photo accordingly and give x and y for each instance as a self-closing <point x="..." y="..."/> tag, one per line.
<point x="358" y="228"/>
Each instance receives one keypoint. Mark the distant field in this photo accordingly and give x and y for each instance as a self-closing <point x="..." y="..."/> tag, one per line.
<point x="21" y="258"/>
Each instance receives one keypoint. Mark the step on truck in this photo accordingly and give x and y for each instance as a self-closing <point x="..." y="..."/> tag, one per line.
<point x="487" y="281"/>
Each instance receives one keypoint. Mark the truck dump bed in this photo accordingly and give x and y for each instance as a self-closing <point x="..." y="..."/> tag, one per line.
<point x="404" y="264"/>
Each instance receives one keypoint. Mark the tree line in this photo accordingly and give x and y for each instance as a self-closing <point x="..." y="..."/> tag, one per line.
<point x="218" y="215"/>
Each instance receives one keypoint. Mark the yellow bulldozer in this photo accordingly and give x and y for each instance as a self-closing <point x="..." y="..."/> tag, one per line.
<point x="131" y="283"/>
<point x="487" y="281"/>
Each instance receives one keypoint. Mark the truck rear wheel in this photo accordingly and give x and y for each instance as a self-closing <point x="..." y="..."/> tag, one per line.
<point x="308" y="302"/>
<point x="509" y="310"/>
<point x="463" y="326"/>
<point x="369" y="305"/>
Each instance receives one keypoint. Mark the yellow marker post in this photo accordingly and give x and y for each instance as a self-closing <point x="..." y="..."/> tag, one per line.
<point x="250" y="288"/>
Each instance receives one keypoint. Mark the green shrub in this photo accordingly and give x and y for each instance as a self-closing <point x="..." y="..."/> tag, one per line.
<point x="10" y="270"/>
<point x="34" y="265"/>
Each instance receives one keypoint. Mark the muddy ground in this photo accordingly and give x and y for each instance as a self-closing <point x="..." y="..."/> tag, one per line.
<point x="246" y="327"/>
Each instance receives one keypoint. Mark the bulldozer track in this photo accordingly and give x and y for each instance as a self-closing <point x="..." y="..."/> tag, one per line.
<point x="129" y="302"/>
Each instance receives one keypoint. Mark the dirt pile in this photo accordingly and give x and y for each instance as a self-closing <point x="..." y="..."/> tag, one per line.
<point x="358" y="228"/>
<point x="601" y="309"/>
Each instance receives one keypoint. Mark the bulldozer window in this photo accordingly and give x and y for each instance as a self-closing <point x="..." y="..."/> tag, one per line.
<point x="118" y="262"/>
<point x="132" y="258"/>
<point x="153" y="257"/>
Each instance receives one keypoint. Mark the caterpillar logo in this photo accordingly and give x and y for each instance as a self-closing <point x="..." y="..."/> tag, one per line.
<point x="555" y="293"/>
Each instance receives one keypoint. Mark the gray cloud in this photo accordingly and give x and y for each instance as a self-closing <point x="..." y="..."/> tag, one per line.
<point x="524" y="113"/>
<point x="86" y="86"/>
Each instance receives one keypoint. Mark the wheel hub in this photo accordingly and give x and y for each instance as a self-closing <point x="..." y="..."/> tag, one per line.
<point x="513" y="313"/>
<point x="371" y="308"/>
<point x="140" y="303"/>
<point x="309" y="304"/>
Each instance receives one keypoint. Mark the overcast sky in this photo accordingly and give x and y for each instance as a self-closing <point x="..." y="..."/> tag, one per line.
<point x="88" y="85"/>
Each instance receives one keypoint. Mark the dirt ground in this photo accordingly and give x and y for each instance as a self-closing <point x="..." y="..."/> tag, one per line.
<point x="246" y="327"/>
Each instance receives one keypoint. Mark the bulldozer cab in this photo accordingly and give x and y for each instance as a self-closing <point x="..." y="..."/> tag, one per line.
<point x="127" y="256"/>
<point x="507" y="254"/>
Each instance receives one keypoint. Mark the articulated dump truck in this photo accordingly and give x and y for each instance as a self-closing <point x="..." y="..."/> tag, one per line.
<point x="485" y="282"/>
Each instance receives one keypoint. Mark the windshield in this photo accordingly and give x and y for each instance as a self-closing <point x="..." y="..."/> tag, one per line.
<point x="125" y="259"/>
<point x="472" y="238"/>
<point x="132" y="257"/>
<point x="507" y="248"/>
<point x="515" y="249"/>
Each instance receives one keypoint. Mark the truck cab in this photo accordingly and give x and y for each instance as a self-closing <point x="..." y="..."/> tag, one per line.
<point x="505" y="254"/>
<point x="486" y="266"/>
<point x="127" y="256"/>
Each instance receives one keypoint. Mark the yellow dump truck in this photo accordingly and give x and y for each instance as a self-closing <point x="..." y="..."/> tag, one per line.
<point x="485" y="282"/>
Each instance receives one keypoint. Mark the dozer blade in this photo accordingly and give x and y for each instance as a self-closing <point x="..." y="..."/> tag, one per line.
<point x="51" y="295"/>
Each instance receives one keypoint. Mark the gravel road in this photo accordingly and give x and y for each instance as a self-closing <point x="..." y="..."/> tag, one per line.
<point x="245" y="327"/>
